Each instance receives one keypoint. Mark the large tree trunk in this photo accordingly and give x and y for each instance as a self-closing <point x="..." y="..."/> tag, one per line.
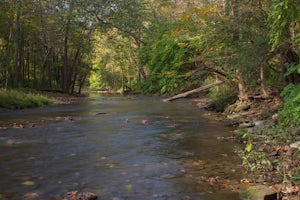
<point x="141" y="71"/>
<point x="236" y="38"/>
<point x="18" y="50"/>
<point x="8" y="57"/>
<point x="66" y="79"/>
<point x="64" y="74"/>
<point x="75" y="67"/>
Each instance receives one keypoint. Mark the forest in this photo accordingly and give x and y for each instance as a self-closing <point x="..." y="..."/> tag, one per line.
<point x="162" y="47"/>
<point x="153" y="46"/>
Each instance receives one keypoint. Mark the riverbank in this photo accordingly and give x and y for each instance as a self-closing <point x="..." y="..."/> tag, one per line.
<point x="13" y="101"/>
<point x="271" y="153"/>
<point x="19" y="99"/>
<point x="65" y="99"/>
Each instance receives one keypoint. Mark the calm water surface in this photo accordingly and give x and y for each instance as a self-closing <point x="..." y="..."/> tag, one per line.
<point x="104" y="146"/>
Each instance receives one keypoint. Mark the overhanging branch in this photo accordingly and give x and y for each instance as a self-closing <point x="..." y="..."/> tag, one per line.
<point x="112" y="25"/>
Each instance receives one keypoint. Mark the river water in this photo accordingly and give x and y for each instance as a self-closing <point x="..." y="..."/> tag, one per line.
<point x="135" y="148"/>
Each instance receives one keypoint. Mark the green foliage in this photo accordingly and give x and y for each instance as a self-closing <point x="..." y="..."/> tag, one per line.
<point x="100" y="78"/>
<point x="20" y="99"/>
<point x="165" y="58"/>
<point x="222" y="96"/>
<point x="291" y="112"/>
<point x="284" y="15"/>
<point x="252" y="160"/>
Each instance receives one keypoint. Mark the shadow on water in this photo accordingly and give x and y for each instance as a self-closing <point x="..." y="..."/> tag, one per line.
<point x="118" y="148"/>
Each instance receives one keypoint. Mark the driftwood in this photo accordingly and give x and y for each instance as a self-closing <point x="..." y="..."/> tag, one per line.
<point x="200" y="89"/>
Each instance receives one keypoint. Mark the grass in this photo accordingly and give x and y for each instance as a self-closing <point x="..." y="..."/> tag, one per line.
<point x="13" y="99"/>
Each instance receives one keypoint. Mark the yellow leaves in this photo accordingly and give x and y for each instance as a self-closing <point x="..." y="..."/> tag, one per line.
<point x="28" y="183"/>
<point x="245" y="181"/>
<point x="198" y="163"/>
<point x="203" y="13"/>
<point x="111" y="165"/>
<point x="182" y="44"/>
<point x="225" y="185"/>
<point x="129" y="187"/>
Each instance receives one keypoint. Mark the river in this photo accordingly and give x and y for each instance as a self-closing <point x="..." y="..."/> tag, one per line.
<point x="135" y="148"/>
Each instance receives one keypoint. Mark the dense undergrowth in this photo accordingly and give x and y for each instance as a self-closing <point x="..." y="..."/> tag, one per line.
<point x="272" y="149"/>
<point x="13" y="99"/>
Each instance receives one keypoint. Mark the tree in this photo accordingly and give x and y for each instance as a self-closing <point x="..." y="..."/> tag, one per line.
<point x="41" y="44"/>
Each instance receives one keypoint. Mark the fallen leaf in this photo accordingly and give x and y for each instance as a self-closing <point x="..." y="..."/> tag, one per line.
<point x="213" y="181"/>
<point x="245" y="181"/>
<point x="199" y="162"/>
<point x="28" y="183"/>
<point x="25" y="178"/>
<point x="110" y="165"/>
<point x="128" y="187"/>
<point x="225" y="185"/>
<point x="31" y="196"/>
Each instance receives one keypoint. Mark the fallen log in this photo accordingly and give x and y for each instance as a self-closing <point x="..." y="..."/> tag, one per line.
<point x="197" y="90"/>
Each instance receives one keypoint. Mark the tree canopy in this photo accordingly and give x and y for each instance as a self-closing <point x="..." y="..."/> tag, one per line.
<point x="154" y="46"/>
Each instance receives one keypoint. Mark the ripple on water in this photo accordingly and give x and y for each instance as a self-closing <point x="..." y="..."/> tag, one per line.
<point x="175" y="155"/>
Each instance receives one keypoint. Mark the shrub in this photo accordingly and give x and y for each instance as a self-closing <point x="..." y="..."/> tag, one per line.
<point x="291" y="112"/>
<point x="222" y="96"/>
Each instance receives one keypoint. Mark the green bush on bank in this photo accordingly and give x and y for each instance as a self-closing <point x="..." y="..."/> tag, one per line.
<point x="21" y="99"/>
<point x="221" y="97"/>
<point x="291" y="112"/>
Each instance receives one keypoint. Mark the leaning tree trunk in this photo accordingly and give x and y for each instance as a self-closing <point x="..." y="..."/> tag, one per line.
<point x="195" y="91"/>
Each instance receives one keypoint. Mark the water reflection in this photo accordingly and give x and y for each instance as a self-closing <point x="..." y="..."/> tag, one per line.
<point x="106" y="148"/>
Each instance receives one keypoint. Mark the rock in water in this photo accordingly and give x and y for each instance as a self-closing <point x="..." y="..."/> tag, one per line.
<point x="75" y="195"/>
